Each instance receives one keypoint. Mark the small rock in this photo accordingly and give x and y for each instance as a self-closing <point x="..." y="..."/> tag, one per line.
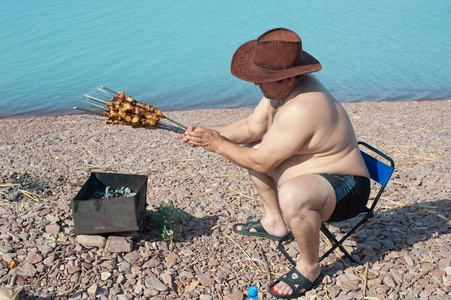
<point x="187" y="252"/>
<point x="52" y="229"/>
<point x="109" y="264"/>
<point x="389" y="281"/>
<point x="333" y="291"/>
<point x="25" y="268"/>
<point x="117" y="244"/>
<point x="410" y="296"/>
<point x="11" y="294"/>
<point x="409" y="260"/>
<point x="173" y="258"/>
<point x="120" y="279"/>
<point x="5" y="249"/>
<point x="192" y="286"/>
<point x="203" y="275"/>
<point x="91" y="240"/>
<point x="396" y="275"/>
<point x="138" y="289"/>
<point x="34" y="258"/>
<point x="13" y="196"/>
<point x="73" y="269"/>
<point x="186" y="274"/>
<point x="92" y="290"/>
<point x="75" y="277"/>
<point x="150" y="292"/>
<point x="348" y="285"/>
<point x="136" y="270"/>
<point x="105" y="275"/>
<point x="153" y="282"/>
<point x="234" y="296"/>
<point x="132" y="257"/>
<point x="369" y="252"/>
<point x="163" y="245"/>
<point x="374" y="245"/>
<point x="151" y="263"/>
<point x="207" y="282"/>
<point x="49" y="261"/>
<point x="52" y="218"/>
<point x="167" y="279"/>
<point x="448" y="271"/>
<point x="124" y="267"/>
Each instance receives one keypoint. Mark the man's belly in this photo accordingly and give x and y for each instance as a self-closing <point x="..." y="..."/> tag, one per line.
<point x="298" y="165"/>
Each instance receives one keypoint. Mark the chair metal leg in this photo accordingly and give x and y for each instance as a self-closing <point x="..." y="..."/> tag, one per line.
<point x="286" y="237"/>
<point x="335" y="244"/>
<point x="328" y="234"/>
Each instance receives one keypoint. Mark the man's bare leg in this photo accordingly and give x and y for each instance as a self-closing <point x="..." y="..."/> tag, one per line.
<point x="306" y="201"/>
<point x="267" y="189"/>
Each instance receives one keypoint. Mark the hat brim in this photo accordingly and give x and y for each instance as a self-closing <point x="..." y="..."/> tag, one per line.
<point x="242" y="66"/>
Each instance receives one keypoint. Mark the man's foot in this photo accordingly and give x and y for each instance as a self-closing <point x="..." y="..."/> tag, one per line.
<point x="254" y="228"/>
<point x="292" y="285"/>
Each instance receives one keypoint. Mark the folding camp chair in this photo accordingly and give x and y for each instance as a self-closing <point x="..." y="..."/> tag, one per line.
<point x="380" y="172"/>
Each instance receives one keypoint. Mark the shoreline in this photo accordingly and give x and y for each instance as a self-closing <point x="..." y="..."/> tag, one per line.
<point x="40" y="114"/>
<point x="403" y="250"/>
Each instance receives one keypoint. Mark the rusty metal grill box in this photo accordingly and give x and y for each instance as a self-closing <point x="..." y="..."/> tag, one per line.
<point x="94" y="216"/>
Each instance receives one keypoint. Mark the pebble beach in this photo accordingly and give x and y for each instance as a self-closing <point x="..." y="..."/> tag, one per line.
<point x="403" y="252"/>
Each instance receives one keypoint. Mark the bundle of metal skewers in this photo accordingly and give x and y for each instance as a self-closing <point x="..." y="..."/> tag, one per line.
<point x="124" y="110"/>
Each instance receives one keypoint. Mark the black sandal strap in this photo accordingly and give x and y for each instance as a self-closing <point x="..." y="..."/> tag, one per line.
<point x="257" y="225"/>
<point x="296" y="281"/>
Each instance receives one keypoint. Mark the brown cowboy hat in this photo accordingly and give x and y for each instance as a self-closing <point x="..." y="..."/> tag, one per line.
<point x="277" y="54"/>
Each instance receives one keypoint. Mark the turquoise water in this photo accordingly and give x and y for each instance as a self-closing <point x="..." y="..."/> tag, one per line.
<point x="176" y="54"/>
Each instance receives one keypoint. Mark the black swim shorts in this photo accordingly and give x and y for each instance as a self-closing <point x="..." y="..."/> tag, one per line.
<point x="352" y="193"/>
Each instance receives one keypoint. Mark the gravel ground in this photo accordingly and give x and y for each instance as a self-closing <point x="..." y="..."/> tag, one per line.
<point x="404" y="252"/>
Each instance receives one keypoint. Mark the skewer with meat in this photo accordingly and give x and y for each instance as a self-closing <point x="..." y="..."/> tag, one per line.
<point x="125" y="110"/>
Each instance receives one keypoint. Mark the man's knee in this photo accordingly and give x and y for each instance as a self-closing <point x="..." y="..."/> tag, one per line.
<point x="292" y="200"/>
<point x="299" y="195"/>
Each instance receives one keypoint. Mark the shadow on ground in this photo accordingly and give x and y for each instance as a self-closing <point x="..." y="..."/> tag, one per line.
<point x="393" y="229"/>
<point x="194" y="227"/>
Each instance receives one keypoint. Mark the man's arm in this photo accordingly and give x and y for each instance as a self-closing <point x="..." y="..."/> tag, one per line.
<point x="249" y="129"/>
<point x="290" y="130"/>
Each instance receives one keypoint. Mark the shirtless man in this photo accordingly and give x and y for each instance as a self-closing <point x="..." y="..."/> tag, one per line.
<point x="301" y="151"/>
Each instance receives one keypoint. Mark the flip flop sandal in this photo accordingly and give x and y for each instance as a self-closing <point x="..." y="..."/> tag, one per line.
<point x="296" y="281"/>
<point x="257" y="225"/>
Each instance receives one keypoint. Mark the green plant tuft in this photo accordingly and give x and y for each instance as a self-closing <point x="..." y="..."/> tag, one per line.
<point x="170" y="221"/>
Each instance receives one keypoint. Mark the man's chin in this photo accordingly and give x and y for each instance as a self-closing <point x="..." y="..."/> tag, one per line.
<point x="268" y="96"/>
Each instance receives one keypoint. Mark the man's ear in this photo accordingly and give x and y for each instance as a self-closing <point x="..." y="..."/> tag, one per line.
<point x="290" y="80"/>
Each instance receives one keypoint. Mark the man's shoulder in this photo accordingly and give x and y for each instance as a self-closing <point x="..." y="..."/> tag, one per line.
<point x="311" y="101"/>
<point x="313" y="110"/>
<point x="312" y="90"/>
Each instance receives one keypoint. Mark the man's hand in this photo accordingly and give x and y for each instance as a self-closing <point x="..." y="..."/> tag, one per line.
<point x="198" y="136"/>
<point x="184" y="138"/>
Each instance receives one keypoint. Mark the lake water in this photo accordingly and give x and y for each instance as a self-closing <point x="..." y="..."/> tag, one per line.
<point x="176" y="54"/>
